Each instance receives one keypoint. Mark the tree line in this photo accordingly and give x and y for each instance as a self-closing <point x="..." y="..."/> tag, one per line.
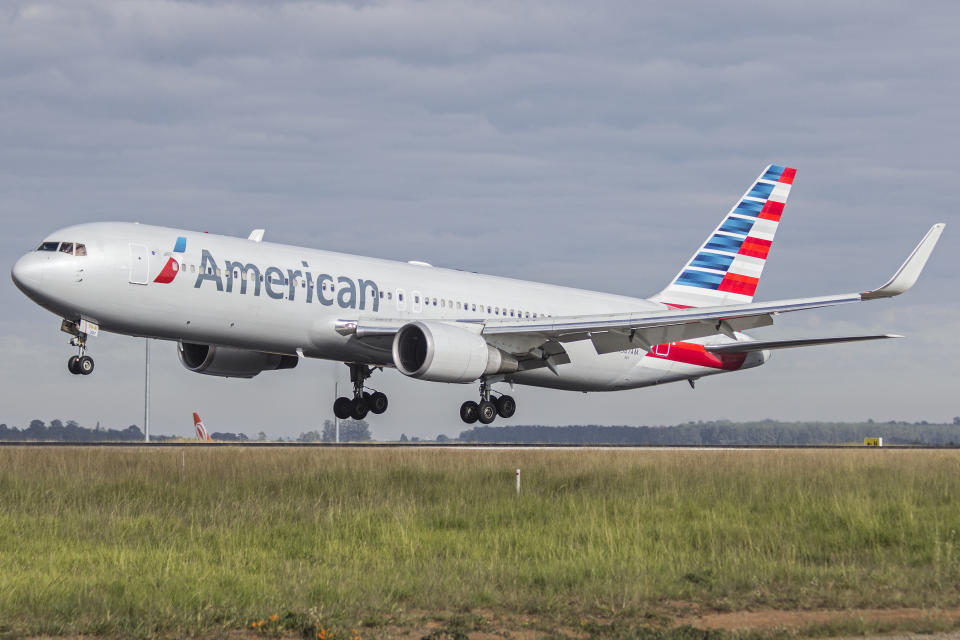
<point x="724" y="432"/>
<point x="72" y="431"/>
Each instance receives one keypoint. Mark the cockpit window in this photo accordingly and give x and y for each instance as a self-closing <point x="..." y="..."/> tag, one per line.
<point x="66" y="247"/>
<point x="48" y="246"/>
<point x="80" y="250"/>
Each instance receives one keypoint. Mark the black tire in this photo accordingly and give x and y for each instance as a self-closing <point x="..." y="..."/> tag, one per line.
<point x="73" y="365"/>
<point x="486" y="412"/>
<point x="506" y="406"/>
<point x="378" y="403"/>
<point x="85" y="365"/>
<point x="469" y="412"/>
<point x="342" y="408"/>
<point x="359" y="409"/>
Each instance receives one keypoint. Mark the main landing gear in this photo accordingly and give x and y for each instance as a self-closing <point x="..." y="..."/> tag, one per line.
<point x="80" y="364"/>
<point x="362" y="401"/>
<point x="487" y="410"/>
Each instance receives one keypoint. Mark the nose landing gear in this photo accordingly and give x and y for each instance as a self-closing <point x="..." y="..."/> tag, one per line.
<point x="487" y="410"/>
<point x="80" y="364"/>
<point x="363" y="402"/>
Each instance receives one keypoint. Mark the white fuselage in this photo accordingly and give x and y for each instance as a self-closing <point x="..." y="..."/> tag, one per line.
<point x="288" y="300"/>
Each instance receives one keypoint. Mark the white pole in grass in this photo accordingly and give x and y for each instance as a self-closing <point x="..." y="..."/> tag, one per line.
<point x="146" y="393"/>
<point x="518" y="481"/>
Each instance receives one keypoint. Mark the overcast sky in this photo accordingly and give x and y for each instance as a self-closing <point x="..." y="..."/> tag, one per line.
<point x="586" y="144"/>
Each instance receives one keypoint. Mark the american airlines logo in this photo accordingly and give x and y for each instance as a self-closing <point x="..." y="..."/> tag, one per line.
<point x="278" y="284"/>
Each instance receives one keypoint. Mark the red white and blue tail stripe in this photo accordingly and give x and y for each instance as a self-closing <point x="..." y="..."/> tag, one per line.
<point x="727" y="267"/>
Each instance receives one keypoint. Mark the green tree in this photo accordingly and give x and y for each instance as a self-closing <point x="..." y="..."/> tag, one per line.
<point x="350" y="431"/>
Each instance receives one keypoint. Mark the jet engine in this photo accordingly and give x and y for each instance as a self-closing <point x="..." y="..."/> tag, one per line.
<point x="230" y="362"/>
<point x="441" y="352"/>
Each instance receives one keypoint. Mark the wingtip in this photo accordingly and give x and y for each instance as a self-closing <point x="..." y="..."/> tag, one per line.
<point x="906" y="276"/>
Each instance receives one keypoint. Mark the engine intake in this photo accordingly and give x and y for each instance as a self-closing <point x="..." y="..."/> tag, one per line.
<point x="230" y="362"/>
<point x="441" y="352"/>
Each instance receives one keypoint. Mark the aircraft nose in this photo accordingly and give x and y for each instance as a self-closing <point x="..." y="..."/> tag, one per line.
<point x="26" y="272"/>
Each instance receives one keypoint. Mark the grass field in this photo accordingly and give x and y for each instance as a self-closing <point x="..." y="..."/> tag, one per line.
<point x="366" y="542"/>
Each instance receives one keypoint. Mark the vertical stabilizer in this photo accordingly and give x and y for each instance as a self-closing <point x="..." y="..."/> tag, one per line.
<point x="727" y="267"/>
<point x="202" y="434"/>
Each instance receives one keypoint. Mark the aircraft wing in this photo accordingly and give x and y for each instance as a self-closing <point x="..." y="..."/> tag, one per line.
<point x="617" y="332"/>
<point x="542" y="338"/>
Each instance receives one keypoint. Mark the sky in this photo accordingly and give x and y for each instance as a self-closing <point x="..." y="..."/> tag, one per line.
<point x="592" y="145"/>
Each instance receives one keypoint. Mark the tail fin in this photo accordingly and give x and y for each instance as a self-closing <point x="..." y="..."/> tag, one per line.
<point x="202" y="434"/>
<point x="727" y="267"/>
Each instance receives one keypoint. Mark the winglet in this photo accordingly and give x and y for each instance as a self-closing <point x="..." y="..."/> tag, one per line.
<point x="909" y="271"/>
<point x="256" y="235"/>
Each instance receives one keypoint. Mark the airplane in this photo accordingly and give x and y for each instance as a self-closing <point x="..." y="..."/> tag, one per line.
<point x="202" y="434"/>
<point x="237" y="307"/>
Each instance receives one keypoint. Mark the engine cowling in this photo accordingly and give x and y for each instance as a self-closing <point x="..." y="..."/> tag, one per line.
<point x="230" y="362"/>
<point x="441" y="352"/>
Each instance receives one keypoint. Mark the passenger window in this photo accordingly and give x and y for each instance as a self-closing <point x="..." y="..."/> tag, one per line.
<point x="48" y="246"/>
<point x="219" y="273"/>
<point x="459" y="306"/>
<point x="80" y="250"/>
<point x="66" y="247"/>
<point x="534" y="316"/>
<point x="474" y="307"/>
<point x="443" y="303"/>
<point x="434" y="302"/>
<point x="400" y="297"/>
<point x="389" y="295"/>
<point x="416" y="299"/>
<point x="193" y="268"/>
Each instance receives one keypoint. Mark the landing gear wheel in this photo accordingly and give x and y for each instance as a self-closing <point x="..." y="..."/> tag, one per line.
<point x="486" y="412"/>
<point x="342" y="408"/>
<point x="359" y="409"/>
<point x="85" y="365"/>
<point x="469" y="411"/>
<point x="506" y="406"/>
<point x="363" y="401"/>
<point x="73" y="365"/>
<point x="377" y="402"/>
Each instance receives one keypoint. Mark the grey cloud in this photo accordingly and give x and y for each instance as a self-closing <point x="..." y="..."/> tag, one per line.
<point x="584" y="144"/>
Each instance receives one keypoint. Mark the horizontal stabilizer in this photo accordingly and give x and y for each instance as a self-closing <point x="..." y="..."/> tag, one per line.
<point x="746" y="347"/>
